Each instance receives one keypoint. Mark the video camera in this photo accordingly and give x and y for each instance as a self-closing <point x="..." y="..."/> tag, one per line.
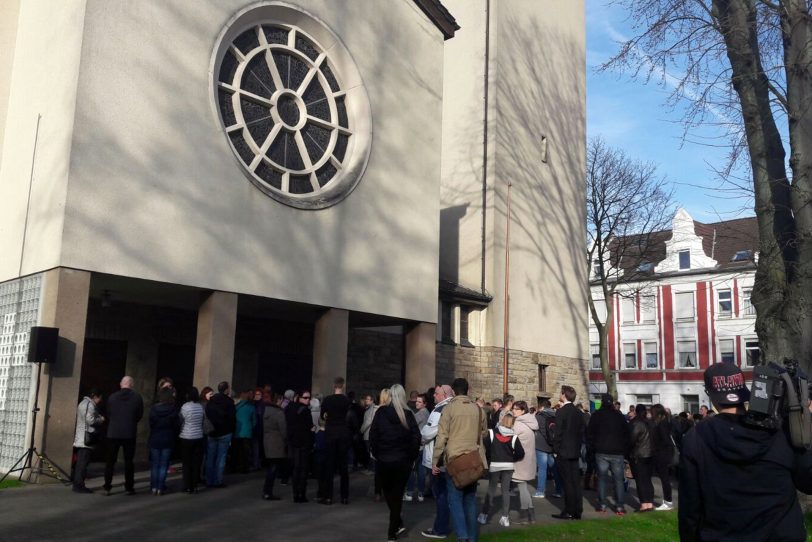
<point x="781" y="393"/>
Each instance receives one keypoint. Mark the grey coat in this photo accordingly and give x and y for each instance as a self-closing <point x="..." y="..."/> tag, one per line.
<point x="87" y="415"/>
<point x="274" y="432"/>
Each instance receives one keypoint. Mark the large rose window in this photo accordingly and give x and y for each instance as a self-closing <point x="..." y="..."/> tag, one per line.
<point x="288" y="118"/>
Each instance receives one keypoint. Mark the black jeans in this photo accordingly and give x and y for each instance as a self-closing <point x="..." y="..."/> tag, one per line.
<point x="241" y="455"/>
<point x="393" y="482"/>
<point x="80" y="470"/>
<point x="274" y="467"/>
<point x="301" y="458"/>
<point x="571" y="478"/>
<point x="642" y="468"/>
<point x="337" y="448"/>
<point x="661" y="461"/>
<point x="192" y="454"/>
<point x="113" y="445"/>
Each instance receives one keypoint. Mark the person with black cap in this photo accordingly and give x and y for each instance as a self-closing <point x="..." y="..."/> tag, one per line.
<point x="738" y="482"/>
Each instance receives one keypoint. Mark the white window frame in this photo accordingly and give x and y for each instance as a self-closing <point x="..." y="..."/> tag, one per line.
<point x="746" y="360"/>
<point x="595" y="351"/>
<point x="627" y="353"/>
<point x="679" y="259"/>
<point x="625" y="303"/>
<point x="648" y="309"/>
<point x="724" y="313"/>
<point x="731" y="351"/>
<point x="680" y="351"/>
<point x="650" y="347"/>
<point x="682" y="315"/>
<point x="747" y="308"/>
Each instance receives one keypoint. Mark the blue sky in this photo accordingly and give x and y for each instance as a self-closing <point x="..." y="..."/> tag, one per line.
<point x="633" y="116"/>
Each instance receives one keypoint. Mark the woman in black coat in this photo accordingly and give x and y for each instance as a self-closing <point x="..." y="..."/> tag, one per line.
<point x="663" y="451"/>
<point x="394" y="441"/>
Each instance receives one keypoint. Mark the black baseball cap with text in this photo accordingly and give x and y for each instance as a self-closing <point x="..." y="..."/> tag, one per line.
<point x="725" y="385"/>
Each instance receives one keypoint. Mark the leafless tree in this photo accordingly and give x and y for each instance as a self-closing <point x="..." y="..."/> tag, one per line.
<point x="747" y="62"/>
<point x="628" y="208"/>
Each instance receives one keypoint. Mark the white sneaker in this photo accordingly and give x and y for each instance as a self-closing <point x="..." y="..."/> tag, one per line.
<point x="420" y="497"/>
<point x="667" y="505"/>
<point x="504" y="521"/>
<point x="482" y="519"/>
<point x="407" y="497"/>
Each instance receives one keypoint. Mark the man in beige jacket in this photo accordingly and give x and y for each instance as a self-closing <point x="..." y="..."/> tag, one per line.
<point x="461" y="429"/>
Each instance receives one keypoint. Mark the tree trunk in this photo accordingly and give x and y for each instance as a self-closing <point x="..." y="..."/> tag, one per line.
<point x="777" y="272"/>
<point x="603" y="342"/>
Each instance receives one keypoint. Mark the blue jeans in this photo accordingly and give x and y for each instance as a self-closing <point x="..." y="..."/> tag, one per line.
<point x="462" y="505"/>
<point x="216" y="459"/>
<point x="159" y="462"/>
<point x="607" y="463"/>
<point x="439" y="488"/>
<point x="418" y="473"/>
<point x="545" y="460"/>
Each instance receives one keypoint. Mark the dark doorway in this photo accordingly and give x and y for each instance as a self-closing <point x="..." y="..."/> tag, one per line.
<point x="284" y="352"/>
<point x="103" y="366"/>
<point x="177" y="361"/>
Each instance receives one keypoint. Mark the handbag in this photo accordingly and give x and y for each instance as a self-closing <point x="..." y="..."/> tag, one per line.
<point x="208" y="427"/>
<point x="675" y="455"/>
<point x="465" y="469"/>
<point x="92" y="438"/>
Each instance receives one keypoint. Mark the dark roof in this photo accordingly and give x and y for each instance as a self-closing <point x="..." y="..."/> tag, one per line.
<point x="451" y="291"/>
<point x="440" y="16"/>
<point x="720" y="241"/>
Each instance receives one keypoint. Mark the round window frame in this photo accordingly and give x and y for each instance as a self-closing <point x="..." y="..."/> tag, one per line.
<point x="351" y="87"/>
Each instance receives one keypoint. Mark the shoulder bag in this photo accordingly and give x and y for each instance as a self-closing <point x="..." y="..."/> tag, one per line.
<point x="465" y="469"/>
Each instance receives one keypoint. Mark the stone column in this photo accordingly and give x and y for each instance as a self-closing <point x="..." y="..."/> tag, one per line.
<point x="330" y="339"/>
<point x="214" y="348"/>
<point x="65" y="295"/>
<point x="420" y="357"/>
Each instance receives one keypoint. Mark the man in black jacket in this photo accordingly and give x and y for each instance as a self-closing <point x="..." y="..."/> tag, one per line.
<point x="300" y="438"/>
<point x="124" y="410"/>
<point x="607" y="436"/>
<point x="738" y="482"/>
<point x="222" y="414"/>
<point x="569" y="434"/>
<point x="334" y="411"/>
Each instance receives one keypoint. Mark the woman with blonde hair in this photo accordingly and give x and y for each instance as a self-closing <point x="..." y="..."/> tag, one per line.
<point x="394" y="440"/>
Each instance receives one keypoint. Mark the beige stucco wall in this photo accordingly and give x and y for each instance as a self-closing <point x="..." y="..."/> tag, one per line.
<point x="9" y="16"/>
<point x="42" y="82"/>
<point x="536" y="89"/>
<point x="156" y="193"/>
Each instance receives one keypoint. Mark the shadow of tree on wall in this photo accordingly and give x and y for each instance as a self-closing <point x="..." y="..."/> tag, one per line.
<point x="535" y="94"/>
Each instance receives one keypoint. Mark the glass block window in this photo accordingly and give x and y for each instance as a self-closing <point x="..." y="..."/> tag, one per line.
<point x="288" y="113"/>
<point x="19" y="311"/>
<point x="725" y="306"/>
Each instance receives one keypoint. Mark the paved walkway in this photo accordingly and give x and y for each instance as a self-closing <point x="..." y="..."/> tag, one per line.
<point x="53" y="512"/>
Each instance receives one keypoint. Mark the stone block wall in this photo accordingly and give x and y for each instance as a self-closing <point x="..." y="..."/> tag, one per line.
<point x="374" y="361"/>
<point x="482" y="367"/>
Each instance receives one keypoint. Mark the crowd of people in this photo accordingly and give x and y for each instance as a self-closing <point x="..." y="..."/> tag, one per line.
<point x="404" y="444"/>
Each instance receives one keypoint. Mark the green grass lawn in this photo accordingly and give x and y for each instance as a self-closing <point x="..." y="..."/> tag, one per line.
<point x="656" y="527"/>
<point x="10" y="483"/>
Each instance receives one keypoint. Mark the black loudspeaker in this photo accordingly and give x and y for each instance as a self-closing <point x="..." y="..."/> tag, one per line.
<point x="42" y="345"/>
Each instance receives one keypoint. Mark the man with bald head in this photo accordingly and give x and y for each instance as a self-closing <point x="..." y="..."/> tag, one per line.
<point x="124" y="410"/>
<point x="439" y="485"/>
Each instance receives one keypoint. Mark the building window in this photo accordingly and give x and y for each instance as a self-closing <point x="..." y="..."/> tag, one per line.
<point x="651" y="355"/>
<point x="630" y="355"/>
<point x="646" y="399"/>
<point x="447" y="323"/>
<point x="627" y="310"/>
<point x="596" y="269"/>
<point x="290" y="113"/>
<point x="727" y="353"/>
<point x="725" y="305"/>
<point x="687" y="354"/>
<point x="464" y="312"/>
<point x="742" y="256"/>
<point x="543" y="377"/>
<point x="690" y="404"/>
<point x="600" y="309"/>
<point x="645" y="267"/>
<point x="684" y="305"/>
<point x="648" y="309"/>
<point x="684" y="259"/>
<point x="596" y="355"/>
<point x="752" y="352"/>
<point x="747" y="303"/>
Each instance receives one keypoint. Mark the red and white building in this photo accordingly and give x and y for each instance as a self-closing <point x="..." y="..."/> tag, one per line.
<point x="693" y="309"/>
